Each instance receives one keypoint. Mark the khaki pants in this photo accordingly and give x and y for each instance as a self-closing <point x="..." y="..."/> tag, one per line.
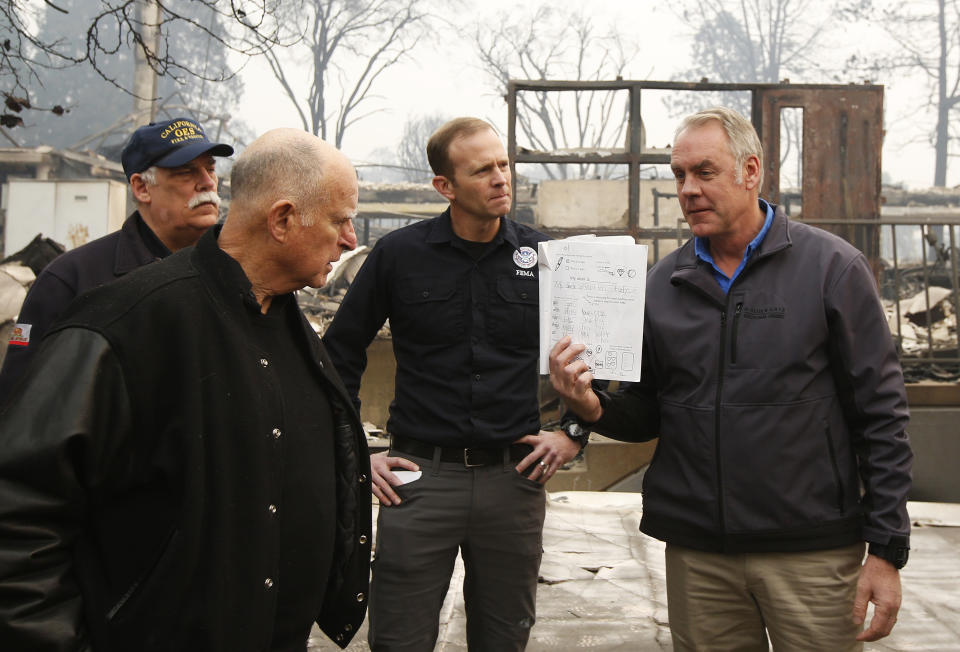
<point x="802" y="601"/>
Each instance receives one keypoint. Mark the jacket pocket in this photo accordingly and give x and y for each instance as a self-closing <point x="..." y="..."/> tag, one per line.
<point x="432" y="309"/>
<point x="776" y="473"/>
<point x="735" y="332"/>
<point x="837" y="478"/>
<point x="141" y="587"/>
<point x="759" y="329"/>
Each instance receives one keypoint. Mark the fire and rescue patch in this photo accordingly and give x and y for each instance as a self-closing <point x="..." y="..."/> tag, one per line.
<point x="525" y="257"/>
<point x="20" y="335"/>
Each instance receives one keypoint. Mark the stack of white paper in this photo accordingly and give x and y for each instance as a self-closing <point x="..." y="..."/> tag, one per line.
<point x="592" y="289"/>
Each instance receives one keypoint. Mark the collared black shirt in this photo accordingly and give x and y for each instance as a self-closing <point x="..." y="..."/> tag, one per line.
<point x="465" y="332"/>
<point x="305" y="513"/>
<point x="150" y="240"/>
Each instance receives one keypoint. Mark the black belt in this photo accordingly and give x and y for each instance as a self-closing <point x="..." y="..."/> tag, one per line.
<point x="467" y="456"/>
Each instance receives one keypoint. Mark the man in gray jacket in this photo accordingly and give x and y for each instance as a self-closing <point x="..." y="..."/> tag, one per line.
<point x="771" y="378"/>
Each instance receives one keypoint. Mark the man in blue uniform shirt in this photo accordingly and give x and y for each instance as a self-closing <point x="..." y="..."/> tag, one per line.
<point x="171" y="169"/>
<point x="461" y="295"/>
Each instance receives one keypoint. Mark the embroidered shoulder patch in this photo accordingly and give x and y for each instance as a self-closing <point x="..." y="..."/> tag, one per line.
<point x="20" y="335"/>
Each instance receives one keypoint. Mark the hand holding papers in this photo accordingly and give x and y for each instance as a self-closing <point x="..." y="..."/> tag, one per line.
<point x="593" y="289"/>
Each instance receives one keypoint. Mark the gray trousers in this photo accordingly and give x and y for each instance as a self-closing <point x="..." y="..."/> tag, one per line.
<point x="494" y="516"/>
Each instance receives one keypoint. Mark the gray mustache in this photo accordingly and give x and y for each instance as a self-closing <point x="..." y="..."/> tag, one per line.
<point x="208" y="196"/>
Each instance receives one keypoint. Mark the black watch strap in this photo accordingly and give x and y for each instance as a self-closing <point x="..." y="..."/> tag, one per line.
<point x="576" y="432"/>
<point x="893" y="553"/>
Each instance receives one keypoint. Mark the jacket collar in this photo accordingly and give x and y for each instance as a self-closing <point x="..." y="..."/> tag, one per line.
<point x="690" y="269"/>
<point x="232" y="287"/>
<point x="778" y="237"/>
<point x="223" y="272"/>
<point x="132" y="250"/>
<point x="441" y="231"/>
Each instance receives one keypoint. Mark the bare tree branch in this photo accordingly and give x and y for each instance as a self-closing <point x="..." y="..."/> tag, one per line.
<point x="556" y="44"/>
<point x="114" y="26"/>
<point x="412" y="151"/>
<point x="927" y="36"/>
<point x="751" y="41"/>
<point x="349" y="45"/>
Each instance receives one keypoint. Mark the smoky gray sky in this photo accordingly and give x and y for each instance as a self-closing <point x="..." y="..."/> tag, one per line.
<point x="443" y="77"/>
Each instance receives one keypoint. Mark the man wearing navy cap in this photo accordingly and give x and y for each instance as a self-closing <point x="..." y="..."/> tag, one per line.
<point x="171" y="169"/>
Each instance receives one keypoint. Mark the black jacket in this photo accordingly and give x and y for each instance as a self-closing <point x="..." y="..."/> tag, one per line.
<point x="773" y="403"/>
<point x="69" y="275"/>
<point x="138" y="459"/>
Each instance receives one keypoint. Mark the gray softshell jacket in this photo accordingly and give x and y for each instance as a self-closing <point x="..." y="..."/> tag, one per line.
<point x="780" y="407"/>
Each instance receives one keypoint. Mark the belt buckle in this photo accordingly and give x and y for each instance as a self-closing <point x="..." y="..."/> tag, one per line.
<point x="466" y="459"/>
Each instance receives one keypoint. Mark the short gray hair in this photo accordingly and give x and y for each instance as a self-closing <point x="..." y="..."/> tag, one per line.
<point x="290" y="168"/>
<point x="150" y="175"/>
<point x="741" y="136"/>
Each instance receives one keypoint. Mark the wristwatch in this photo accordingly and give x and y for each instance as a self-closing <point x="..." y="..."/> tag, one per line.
<point x="576" y="432"/>
<point x="893" y="553"/>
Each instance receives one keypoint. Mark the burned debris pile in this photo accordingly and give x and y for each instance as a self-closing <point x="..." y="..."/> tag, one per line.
<point x="321" y="304"/>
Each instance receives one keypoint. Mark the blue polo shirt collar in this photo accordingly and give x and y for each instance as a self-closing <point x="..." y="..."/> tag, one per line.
<point x="701" y="247"/>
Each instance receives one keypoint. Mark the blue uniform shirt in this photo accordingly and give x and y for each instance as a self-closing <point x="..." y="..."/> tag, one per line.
<point x="465" y="333"/>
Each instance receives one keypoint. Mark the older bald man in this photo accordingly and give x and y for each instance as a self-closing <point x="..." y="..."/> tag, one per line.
<point x="189" y="472"/>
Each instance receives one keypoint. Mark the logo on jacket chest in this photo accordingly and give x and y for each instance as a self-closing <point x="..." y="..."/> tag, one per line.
<point x="764" y="312"/>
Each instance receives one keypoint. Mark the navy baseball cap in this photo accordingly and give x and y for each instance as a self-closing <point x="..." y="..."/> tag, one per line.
<point x="168" y="144"/>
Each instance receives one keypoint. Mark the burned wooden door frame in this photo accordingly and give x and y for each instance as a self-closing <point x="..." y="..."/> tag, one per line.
<point x="842" y="141"/>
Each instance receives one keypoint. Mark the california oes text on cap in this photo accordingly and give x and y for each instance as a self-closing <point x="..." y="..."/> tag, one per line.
<point x="168" y="144"/>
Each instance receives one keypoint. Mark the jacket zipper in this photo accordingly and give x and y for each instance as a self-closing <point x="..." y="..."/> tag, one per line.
<point x="733" y="338"/>
<point x="716" y="424"/>
<point x="834" y="466"/>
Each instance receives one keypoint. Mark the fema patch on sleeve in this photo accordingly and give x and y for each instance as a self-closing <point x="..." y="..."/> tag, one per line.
<point x="20" y="335"/>
<point x="525" y="257"/>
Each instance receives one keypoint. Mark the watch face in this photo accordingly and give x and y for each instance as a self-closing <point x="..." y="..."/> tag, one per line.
<point x="576" y="432"/>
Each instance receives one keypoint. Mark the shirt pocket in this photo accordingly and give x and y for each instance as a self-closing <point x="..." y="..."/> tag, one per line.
<point x="763" y="334"/>
<point x="513" y="317"/>
<point x="432" y="309"/>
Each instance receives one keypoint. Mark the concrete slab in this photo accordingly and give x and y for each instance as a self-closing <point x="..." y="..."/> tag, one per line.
<point x="602" y="583"/>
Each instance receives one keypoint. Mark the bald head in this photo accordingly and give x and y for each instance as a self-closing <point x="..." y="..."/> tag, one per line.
<point x="285" y="164"/>
<point x="294" y="198"/>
